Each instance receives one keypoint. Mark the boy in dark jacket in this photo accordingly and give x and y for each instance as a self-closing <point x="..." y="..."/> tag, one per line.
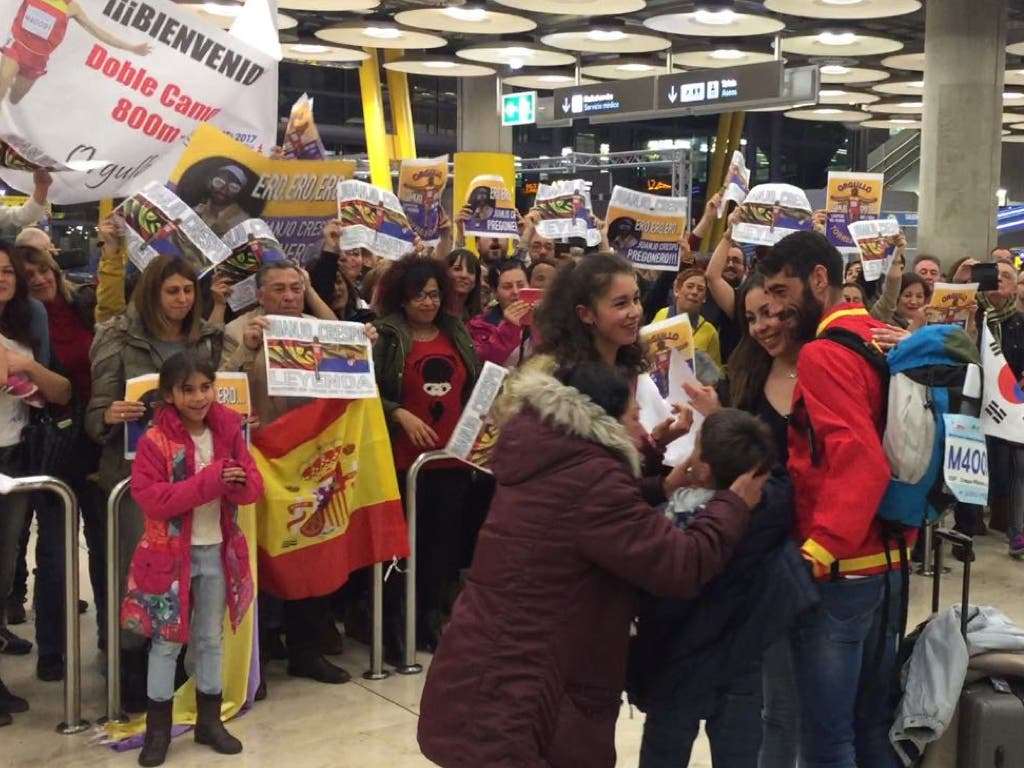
<point x="700" y="659"/>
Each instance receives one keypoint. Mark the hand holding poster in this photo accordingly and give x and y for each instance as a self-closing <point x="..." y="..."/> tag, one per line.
<point x="373" y="218"/>
<point x="125" y="86"/>
<point x="668" y="349"/>
<point x="307" y="357"/>
<point x="227" y="183"/>
<point x="851" y="197"/>
<point x="232" y="391"/>
<point x="952" y="303"/>
<point x="475" y="434"/>
<point x="770" y="212"/>
<point x="493" y="210"/>
<point x="252" y="244"/>
<point x="301" y="136"/>
<point x="565" y="211"/>
<point x="737" y="183"/>
<point x="157" y="222"/>
<point x="646" y="229"/>
<point x="876" y="239"/>
<point x="421" y="184"/>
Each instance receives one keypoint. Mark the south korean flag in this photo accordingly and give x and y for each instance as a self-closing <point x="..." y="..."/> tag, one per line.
<point x="1002" y="406"/>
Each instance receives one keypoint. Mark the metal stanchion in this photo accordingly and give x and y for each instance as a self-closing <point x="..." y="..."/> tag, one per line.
<point x="73" y="722"/>
<point x="117" y="495"/>
<point x="376" y="670"/>
<point x="409" y="666"/>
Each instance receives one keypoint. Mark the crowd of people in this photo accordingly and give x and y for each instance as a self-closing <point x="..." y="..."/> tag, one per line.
<point x="580" y="566"/>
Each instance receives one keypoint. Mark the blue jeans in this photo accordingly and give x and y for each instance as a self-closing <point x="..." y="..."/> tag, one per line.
<point x="846" y="688"/>
<point x="207" y="631"/>
<point x="781" y="713"/>
<point x="733" y="726"/>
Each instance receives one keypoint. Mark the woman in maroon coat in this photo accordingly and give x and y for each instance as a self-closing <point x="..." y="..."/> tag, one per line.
<point x="529" y="673"/>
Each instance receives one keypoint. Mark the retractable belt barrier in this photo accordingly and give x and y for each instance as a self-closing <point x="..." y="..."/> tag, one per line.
<point x="73" y="722"/>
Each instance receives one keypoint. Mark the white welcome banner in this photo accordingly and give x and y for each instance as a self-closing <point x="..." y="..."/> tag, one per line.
<point x="125" y="82"/>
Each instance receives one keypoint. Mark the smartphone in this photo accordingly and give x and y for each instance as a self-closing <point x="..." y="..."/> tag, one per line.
<point x="986" y="276"/>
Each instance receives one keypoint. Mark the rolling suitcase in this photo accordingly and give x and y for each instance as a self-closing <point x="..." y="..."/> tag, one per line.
<point x="991" y="731"/>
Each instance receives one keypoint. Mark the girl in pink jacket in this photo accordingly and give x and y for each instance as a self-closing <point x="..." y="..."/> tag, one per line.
<point x="191" y="471"/>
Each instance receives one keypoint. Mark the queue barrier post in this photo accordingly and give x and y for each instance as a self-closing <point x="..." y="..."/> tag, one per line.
<point x="73" y="722"/>
<point x="114" y="711"/>
<point x="409" y="665"/>
<point x="376" y="670"/>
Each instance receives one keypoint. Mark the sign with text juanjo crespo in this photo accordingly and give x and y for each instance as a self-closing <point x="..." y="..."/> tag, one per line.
<point x="124" y="87"/>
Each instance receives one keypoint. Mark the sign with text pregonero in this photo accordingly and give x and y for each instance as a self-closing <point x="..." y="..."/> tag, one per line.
<point x="646" y="229"/>
<point x="965" y="468"/>
<point x="125" y="87"/>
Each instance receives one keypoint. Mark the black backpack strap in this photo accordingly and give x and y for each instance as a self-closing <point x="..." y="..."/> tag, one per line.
<point x="853" y="342"/>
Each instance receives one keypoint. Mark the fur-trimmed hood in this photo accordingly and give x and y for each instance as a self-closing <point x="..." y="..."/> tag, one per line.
<point x="533" y="389"/>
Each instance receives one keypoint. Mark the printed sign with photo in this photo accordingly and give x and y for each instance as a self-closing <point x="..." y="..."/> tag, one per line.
<point x="770" y="212"/>
<point x="373" y="218"/>
<point x="301" y="136"/>
<point x="737" y="183"/>
<point x="646" y="229"/>
<point x="493" y="210"/>
<point x="476" y="433"/>
<point x="669" y="350"/>
<point x="158" y="222"/>
<point x="852" y="197"/>
<point x="565" y="211"/>
<point x="421" y="184"/>
<point x="876" y="242"/>
<point x="307" y="357"/>
<point x="252" y="244"/>
<point x="952" y="303"/>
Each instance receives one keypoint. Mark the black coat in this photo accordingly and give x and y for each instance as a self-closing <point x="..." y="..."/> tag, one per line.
<point x="687" y="652"/>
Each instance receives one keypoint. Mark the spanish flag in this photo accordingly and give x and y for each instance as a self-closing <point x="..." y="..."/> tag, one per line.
<point x="331" y="503"/>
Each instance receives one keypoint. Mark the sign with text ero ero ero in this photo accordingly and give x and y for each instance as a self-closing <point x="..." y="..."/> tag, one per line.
<point x="128" y="83"/>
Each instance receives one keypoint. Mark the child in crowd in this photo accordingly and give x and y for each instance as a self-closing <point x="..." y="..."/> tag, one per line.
<point x="699" y="659"/>
<point x="191" y="471"/>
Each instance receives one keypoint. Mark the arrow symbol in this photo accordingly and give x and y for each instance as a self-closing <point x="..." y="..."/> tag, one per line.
<point x="566" y="104"/>
<point x="672" y="94"/>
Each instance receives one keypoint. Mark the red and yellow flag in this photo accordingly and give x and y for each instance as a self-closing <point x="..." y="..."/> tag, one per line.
<point x="331" y="504"/>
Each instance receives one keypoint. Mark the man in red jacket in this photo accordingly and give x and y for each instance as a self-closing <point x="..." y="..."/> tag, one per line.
<point x="847" y="646"/>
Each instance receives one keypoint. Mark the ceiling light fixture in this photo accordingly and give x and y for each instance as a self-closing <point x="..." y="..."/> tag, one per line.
<point x="440" y="64"/>
<point x="606" y="35"/>
<point x="726" y="54"/>
<point x="222" y="9"/>
<point x="516" y="63"/>
<point x="911" y="104"/>
<point x="465" y="14"/>
<point x="842" y="2"/>
<point x="635" y="67"/>
<point x="517" y="52"/>
<point x="1013" y="95"/>
<point x="835" y="70"/>
<point x="722" y="18"/>
<point x="831" y="93"/>
<point x="307" y="48"/>
<point x="555" y="78"/>
<point x="827" y="111"/>
<point x="383" y="33"/>
<point x="837" y="38"/>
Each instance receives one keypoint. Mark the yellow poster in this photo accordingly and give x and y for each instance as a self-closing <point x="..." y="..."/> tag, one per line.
<point x="646" y="229"/>
<point x="227" y="183"/>
<point x="470" y="165"/>
<point x="851" y="197"/>
<point x="668" y="349"/>
<point x="420" y="186"/>
<point x="952" y="303"/>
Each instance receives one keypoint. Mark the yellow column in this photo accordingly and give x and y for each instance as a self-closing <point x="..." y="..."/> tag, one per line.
<point x="373" y="121"/>
<point x="716" y="174"/>
<point x="735" y="136"/>
<point x="106" y="207"/>
<point x="401" y="109"/>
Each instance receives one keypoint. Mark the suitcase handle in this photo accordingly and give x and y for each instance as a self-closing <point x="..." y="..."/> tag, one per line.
<point x="954" y="537"/>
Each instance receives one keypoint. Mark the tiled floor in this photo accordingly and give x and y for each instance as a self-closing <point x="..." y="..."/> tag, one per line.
<point x="307" y="725"/>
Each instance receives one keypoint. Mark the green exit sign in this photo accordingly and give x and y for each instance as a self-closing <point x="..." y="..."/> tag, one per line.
<point x="519" y="108"/>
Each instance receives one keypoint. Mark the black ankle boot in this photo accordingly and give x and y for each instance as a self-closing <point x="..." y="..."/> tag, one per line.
<point x="158" y="733"/>
<point x="209" y="728"/>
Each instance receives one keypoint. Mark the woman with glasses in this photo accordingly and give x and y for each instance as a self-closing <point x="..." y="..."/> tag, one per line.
<point x="426" y="367"/>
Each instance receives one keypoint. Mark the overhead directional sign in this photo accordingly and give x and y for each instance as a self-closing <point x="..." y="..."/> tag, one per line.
<point x="519" y="108"/>
<point x="611" y="98"/>
<point x="752" y="82"/>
